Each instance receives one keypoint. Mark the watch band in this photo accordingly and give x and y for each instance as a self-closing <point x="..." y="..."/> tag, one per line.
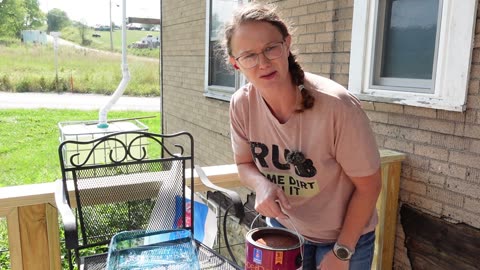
<point x="342" y="252"/>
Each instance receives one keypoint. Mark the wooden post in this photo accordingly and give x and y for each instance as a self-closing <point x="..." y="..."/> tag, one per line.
<point x="39" y="237"/>
<point x="387" y="207"/>
<point x="14" y="243"/>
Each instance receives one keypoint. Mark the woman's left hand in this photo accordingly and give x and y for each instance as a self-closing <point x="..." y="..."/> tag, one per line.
<point x="331" y="262"/>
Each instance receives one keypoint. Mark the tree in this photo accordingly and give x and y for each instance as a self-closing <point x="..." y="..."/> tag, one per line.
<point x="34" y="16"/>
<point x="82" y="29"/>
<point x="56" y="20"/>
<point x="12" y="14"/>
<point x="18" y="15"/>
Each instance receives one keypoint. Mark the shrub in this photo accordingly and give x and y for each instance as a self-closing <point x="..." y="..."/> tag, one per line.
<point x="6" y="84"/>
<point x="23" y="86"/>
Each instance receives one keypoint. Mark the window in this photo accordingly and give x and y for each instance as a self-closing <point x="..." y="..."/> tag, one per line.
<point x="412" y="52"/>
<point x="220" y="79"/>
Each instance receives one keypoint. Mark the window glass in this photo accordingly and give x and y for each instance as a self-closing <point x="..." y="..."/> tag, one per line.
<point x="413" y="52"/>
<point x="219" y="73"/>
<point x="410" y="32"/>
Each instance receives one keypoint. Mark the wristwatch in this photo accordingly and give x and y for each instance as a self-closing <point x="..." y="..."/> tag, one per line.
<point x="342" y="252"/>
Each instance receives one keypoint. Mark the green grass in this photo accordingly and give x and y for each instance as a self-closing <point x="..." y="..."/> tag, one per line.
<point x="29" y="141"/>
<point x="32" y="68"/>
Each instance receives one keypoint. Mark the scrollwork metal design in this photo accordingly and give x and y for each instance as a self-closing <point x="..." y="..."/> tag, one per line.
<point x="124" y="151"/>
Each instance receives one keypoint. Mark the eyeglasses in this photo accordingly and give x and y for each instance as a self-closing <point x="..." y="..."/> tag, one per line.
<point x="271" y="52"/>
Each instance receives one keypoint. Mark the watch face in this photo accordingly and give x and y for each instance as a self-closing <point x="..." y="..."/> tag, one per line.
<point x="342" y="253"/>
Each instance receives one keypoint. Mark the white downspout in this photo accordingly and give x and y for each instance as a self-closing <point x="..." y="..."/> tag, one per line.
<point x="102" y="115"/>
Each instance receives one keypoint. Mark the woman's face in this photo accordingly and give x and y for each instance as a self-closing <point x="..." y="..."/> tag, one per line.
<point x="257" y="37"/>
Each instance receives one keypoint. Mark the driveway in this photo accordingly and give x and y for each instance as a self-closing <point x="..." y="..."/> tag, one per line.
<point x="75" y="101"/>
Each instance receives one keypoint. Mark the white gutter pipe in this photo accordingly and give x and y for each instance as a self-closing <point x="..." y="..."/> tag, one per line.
<point x="102" y="115"/>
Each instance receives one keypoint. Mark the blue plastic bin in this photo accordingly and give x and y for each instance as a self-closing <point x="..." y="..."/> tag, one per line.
<point x="166" y="249"/>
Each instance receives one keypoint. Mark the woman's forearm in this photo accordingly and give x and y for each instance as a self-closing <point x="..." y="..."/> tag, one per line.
<point x="360" y="208"/>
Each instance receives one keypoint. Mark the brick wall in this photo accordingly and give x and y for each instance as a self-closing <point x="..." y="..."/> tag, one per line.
<point x="441" y="175"/>
<point x="185" y="107"/>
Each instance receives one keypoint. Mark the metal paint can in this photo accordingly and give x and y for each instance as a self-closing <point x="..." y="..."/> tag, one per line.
<point x="271" y="248"/>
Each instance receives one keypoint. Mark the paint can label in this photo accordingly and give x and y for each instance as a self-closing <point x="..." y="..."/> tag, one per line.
<point x="257" y="256"/>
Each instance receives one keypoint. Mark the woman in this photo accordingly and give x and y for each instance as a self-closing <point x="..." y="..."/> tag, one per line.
<point x="303" y="144"/>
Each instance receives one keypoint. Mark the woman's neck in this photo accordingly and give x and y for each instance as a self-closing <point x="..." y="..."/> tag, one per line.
<point x="281" y="101"/>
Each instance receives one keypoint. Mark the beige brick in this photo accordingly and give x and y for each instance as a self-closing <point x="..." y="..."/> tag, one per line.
<point x="417" y="161"/>
<point x="314" y="48"/>
<point x="403" y="120"/>
<point x="422" y="112"/>
<point x="445" y="196"/>
<point x="459" y="129"/>
<point x="472" y="205"/>
<point x="413" y="187"/>
<point x="307" y="19"/>
<point x="473" y="175"/>
<point x="400" y="145"/>
<point x="415" y="135"/>
<point x="449" y="141"/>
<point x="473" y="102"/>
<point x="471" y="116"/>
<point x="387" y="130"/>
<point x="386" y="107"/>
<point x="448" y="169"/>
<point x="328" y="47"/>
<point x="472" y="131"/>
<point x="379" y="117"/>
<point x="323" y="58"/>
<point x="404" y="195"/>
<point x="474" y="85"/>
<point x="452" y="116"/>
<point x="406" y="171"/>
<point x="326" y="16"/>
<point x="466" y="159"/>
<point x="291" y="3"/>
<point x="426" y="204"/>
<point x="315" y="28"/>
<point x="297" y="11"/>
<point x="305" y="2"/>
<point x="305" y="39"/>
<point x="437" y="126"/>
<point x="460" y="215"/>
<point x="380" y="140"/>
<point x="463" y="187"/>
<point x="367" y="105"/>
<point x="324" y="37"/>
<point x="475" y="68"/>
<point x="476" y="43"/>
<point x="428" y="177"/>
<point x="474" y="146"/>
<point x="317" y="7"/>
<point x="431" y="152"/>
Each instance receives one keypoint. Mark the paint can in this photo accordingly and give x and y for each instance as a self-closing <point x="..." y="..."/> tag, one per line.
<point x="272" y="248"/>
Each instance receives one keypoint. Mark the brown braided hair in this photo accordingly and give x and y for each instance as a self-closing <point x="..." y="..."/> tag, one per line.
<point x="255" y="12"/>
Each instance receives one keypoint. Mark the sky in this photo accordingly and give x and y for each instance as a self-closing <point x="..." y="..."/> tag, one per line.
<point x="97" y="11"/>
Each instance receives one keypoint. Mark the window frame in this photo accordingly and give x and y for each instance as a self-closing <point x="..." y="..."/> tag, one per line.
<point x="217" y="91"/>
<point x="451" y="61"/>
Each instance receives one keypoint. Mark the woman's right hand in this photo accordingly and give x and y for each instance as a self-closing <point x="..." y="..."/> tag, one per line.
<point x="270" y="199"/>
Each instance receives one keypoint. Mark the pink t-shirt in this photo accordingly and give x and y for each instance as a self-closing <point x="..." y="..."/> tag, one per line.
<point x="336" y="140"/>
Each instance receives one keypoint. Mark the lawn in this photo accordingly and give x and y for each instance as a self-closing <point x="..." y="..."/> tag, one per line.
<point x="32" y="68"/>
<point x="29" y="138"/>
<point x="29" y="141"/>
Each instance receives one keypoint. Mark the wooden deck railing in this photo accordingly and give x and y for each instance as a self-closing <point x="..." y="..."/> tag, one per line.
<point x="33" y="230"/>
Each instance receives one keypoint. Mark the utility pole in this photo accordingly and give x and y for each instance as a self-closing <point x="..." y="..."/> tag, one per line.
<point x="111" y="26"/>
<point x="55" y="36"/>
